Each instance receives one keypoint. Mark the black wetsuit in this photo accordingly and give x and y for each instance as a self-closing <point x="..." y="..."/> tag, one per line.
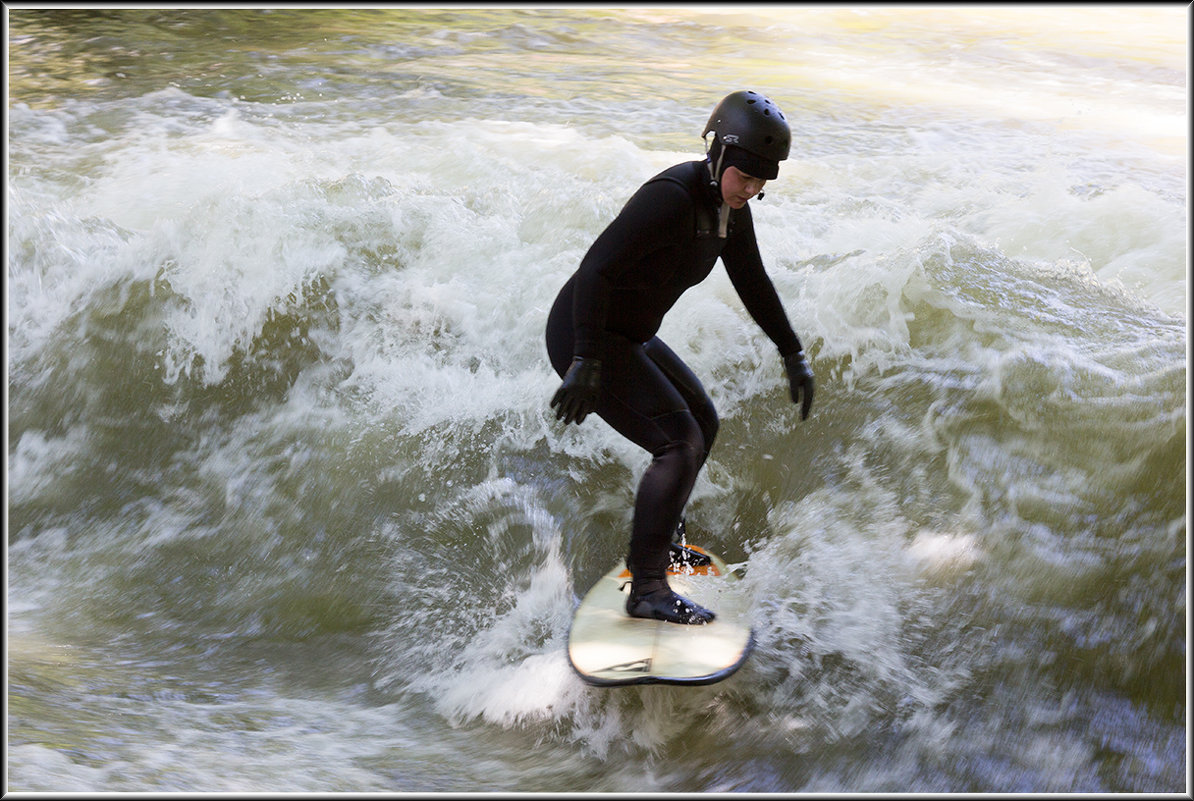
<point x="664" y="241"/>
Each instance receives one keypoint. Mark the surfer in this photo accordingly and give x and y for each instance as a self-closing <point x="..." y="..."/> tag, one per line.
<point x="601" y="332"/>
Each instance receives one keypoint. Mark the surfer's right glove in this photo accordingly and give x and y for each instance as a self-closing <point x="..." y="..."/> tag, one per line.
<point x="577" y="396"/>
<point x="800" y="381"/>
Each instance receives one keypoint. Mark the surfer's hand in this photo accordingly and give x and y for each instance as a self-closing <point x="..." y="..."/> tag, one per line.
<point x="800" y="381"/>
<point x="577" y="396"/>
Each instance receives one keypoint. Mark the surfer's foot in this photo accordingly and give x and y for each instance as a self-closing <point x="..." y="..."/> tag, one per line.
<point x="663" y="604"/>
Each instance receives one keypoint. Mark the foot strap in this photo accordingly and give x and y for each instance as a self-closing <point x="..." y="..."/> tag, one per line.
<point x="683" y="556"/>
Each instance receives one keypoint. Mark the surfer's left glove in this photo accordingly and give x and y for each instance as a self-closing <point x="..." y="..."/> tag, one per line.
<point x="800" y="381"/>
<point x="577" y="396"/>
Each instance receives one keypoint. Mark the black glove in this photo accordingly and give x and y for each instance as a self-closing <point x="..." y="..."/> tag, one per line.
<point x="577" y="396"/>
<point x="800" y="381"/>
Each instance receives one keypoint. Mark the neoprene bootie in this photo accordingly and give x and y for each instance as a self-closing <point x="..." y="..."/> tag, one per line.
<point x="656" y="601"/>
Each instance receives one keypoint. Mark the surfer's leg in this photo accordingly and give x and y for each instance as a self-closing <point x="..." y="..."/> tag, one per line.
<point x="663" y="491"/>
<point x="650" y="399"/>
<point x="701" y="406"/>
<point x="662" y="494"/>
<point x="645" y="405"/>
<point x="690" y="388"/>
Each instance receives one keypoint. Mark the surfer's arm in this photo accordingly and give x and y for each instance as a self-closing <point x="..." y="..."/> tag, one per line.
<point x="744" y="265"/>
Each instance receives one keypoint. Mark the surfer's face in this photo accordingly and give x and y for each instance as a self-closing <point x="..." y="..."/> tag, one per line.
<point x="737" y="187"/>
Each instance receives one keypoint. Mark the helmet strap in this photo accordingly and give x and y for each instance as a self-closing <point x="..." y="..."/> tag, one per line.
<point x="723" y="215"/>
<point x="715" y="169"/>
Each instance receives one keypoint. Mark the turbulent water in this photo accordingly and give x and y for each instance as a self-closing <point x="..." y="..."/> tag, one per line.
<point x="288" y="510"/>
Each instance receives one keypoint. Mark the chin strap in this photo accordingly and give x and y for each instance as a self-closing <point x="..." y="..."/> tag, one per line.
<point x="723" y="216"/>
<point x="714" y="171"/>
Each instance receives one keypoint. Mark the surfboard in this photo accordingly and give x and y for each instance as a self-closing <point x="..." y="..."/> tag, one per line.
<point x="608" y="648"/>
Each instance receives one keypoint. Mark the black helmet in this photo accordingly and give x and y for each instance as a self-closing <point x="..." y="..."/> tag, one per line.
<point x="750" y="121"/>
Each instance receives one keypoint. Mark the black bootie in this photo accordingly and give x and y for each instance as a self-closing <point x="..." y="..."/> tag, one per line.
<point x="653" y="599"/>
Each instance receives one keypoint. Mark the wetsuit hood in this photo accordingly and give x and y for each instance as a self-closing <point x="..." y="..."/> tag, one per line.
<point x="720" y="157"/>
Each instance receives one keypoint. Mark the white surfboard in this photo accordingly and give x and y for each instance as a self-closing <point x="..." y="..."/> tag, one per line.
<point x="609" y="648"/>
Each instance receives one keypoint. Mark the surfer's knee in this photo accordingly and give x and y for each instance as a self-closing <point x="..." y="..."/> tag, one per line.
<point x="685" y="442"/>
<point x="682" y="460"/>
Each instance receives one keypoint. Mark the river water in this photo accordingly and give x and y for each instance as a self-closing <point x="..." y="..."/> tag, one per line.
<point x="288" y="510"/>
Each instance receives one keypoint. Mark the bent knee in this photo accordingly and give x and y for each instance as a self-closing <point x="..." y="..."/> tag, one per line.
<point x="683" y="438"/>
